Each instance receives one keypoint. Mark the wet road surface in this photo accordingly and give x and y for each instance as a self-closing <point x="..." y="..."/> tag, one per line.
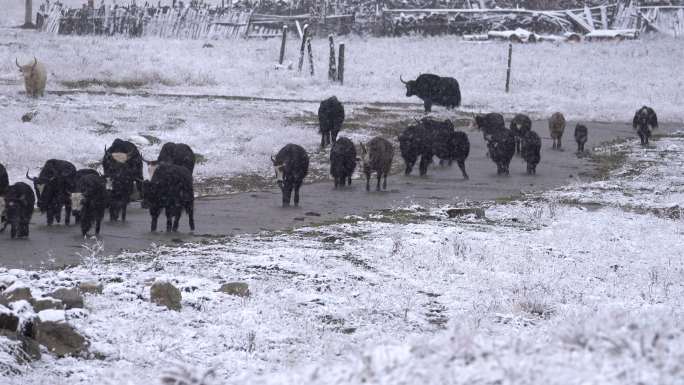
<point x="251" y="212"/>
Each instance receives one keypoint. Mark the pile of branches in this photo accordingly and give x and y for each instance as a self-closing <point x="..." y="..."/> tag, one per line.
<point x="431" y="24"/>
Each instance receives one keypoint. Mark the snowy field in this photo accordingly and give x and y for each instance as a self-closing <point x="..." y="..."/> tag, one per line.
<point x="589" y="81"/>
<point x="538" y="292"/>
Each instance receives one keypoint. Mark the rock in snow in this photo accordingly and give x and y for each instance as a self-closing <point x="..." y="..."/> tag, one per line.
<point x="165" y="294"/>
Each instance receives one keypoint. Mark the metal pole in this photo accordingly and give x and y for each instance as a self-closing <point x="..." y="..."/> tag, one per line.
<point x="508" y="71"/>
<point x="301" y="49"/>
<point x="308" y="48"/>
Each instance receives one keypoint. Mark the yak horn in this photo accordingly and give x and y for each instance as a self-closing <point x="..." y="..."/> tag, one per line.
<point x="17" y="61"/>
<point x="272" y="159"/>
<point x="401" y="79"/>
<point x="28" y="177"/>
<point x="35" y="61"/>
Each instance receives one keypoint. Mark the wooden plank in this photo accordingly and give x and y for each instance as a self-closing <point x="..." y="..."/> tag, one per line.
<point x="579" y="21"/>
<point x="589" y="17"/>
<point x="604" y="18"/>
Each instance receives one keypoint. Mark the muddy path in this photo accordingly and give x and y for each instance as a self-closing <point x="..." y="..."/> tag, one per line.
<point x="259" y="209"/>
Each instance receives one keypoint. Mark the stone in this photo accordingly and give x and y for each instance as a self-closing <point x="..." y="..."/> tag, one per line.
<point x="165" y="294"/>
<point x="45" y="303"/>
<point x="17" y="292"/>
<point x="22" y="348"/>
<point x="8" y="320"/>
<point x="463" y="211"/>
<point x="90" y="288"/>
<point x="239" y="289"/>
<point x="71" y="298"/>
<point x="59" y="338"/>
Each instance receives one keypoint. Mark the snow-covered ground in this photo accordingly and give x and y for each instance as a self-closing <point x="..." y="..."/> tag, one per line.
<point x="538" y="292"/>
<point x="588" y="81"/>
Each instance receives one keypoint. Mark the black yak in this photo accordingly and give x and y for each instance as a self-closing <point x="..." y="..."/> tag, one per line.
<point x="500" y="140"/>
<point x="342" y="161"/>
<point x="19" y="201"/>
<point x="291" y="165"/>
<point x="520" y="125"/>
<point x="530" y="150"/>
<point x="430" y="138"/>
<point x="4" y="180"/>
<point x="556" y="128"/>
<point x="122" y="165"/>
<point x="76" y="193"/>
<point x="53" y="188"/>
<point x="645" y="120"/>
<point x="330" y="119"/>
<point x="90" y="199"/>
<point x="581" y="136"/>
<point x="179" y="154"/>
<point x="433" y="89"/>
<point x="171" y="189"/>
<point x="376" y="157"/>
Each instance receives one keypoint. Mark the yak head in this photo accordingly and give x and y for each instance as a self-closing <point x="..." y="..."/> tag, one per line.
<point x="645" y="118"/>
<point x="28" y="70"/>
<point x="410" y="86"/>
<point x="279" y="168"/>
<point x="42" y="185"/>
<point x="77" y="201"/>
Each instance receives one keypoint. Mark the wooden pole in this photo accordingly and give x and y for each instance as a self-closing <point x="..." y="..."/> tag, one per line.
<point x="508" y="71"/>
<point x="28" y="16"/>
<point x="340" y="64"/>
<point x="301" y="48"/>
<point x="308" y="49"/>
<point x="282" y="45"/>
<point x="332" y="67"/>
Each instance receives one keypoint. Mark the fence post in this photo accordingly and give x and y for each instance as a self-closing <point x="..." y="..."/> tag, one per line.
<point x="308" y="49"/>
<point x="332" y="67"/>
<point x="28" y="16"/>
<point x="508" y="71"/>
<point x="282" y="45"/>
<point x="301" y="49"/>
<point x="340" y="64"/>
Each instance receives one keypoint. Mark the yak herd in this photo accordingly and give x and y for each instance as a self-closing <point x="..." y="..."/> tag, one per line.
<point x="86" y="194"/>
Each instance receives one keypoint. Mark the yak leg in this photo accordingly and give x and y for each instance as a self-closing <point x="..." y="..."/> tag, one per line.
<point x="349" y="180"/>
<point x="190" y="209"/>
<point x="287" y="194"/>
<point x="169" y="219"/>
<point x="85" y="225"/>
<point x="384" y="182"/>
<point x="50" y="215"/>
<point x="368" y="181"/>
<point x="377" y="187"/>
<point x="23" y="229"/>
<point x="410" y="162"/>
<point x="296" y="193"/>
<point x="559" y="143"/>
<point x="98" y="222"/>
<point x="427" y="103"/>
<point x="425" y="160"/>
<point x="337" y="181"/>
<point x="154" y="213"/>
<point x="461" y="165"/>
<point x="13" y="231"/>
<point x="333" y="135"/>
<point x="58" y="213"/>
<point x="123" y="212"/>
<point x="176" y="218"/>
<point x="67" y="212"/>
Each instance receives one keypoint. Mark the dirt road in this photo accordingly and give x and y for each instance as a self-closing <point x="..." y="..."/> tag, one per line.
<point x="251" y="212"/>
